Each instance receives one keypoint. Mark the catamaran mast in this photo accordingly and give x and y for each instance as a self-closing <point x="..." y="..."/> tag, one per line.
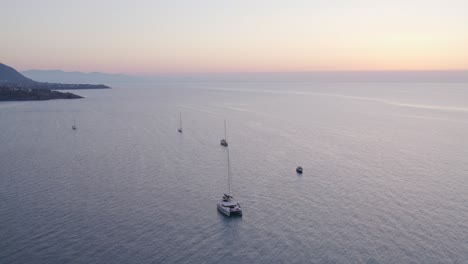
<point x="229" y="172"/>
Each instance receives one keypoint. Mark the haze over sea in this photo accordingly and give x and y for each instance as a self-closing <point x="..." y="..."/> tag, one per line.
<point x="385" y="174"/>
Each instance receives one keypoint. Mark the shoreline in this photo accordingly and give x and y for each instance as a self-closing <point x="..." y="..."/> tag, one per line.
<point x="21" y="94"/>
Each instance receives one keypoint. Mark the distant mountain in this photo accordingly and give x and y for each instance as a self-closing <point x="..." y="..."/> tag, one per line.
<point x="11" y="78"/>
<point x="10" y="75"/>
<point x="78" y="77"/>
<point x="460" y="76"/>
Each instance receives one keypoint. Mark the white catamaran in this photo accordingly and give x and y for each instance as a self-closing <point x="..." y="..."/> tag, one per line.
<point x="228" y="205"/>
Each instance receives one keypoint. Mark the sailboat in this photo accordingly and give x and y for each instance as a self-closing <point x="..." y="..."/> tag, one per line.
<point x="180" y="123"/>
<point x="74" y="124"/>
<point x="228" y="205"/>
<point x="224" y="140"/>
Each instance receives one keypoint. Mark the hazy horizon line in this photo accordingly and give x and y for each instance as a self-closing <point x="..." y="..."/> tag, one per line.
<point x="251" y="72"/>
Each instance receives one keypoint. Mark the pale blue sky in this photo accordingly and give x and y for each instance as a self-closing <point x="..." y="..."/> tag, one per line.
<point x="238" y="35"/>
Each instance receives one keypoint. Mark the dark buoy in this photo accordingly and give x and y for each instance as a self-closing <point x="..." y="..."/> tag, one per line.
<point x="299" y="170"/>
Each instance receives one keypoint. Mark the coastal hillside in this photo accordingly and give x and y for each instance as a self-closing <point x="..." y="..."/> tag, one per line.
<point x="9" y="77"/>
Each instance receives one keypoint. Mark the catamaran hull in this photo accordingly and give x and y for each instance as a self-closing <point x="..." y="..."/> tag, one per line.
<point x="228" y="212"/>
<point x="224" y="211"/>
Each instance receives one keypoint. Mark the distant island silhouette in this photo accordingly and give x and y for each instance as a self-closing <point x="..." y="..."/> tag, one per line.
<point x="60" y="76"/>
<point x="14" y="86"/>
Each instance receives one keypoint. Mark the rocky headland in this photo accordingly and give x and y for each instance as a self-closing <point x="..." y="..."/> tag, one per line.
<point x="16" y="87"/>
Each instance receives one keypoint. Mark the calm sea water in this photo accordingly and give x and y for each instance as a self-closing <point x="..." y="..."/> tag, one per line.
<point x="385" y="175"/>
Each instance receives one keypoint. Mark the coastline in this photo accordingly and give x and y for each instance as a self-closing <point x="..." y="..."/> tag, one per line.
<point x="20" y="94"/>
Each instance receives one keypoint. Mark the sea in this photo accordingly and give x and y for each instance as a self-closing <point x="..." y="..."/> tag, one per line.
<point x="385" y="174"/>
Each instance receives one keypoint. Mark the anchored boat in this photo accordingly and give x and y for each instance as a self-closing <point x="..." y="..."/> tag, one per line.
<point x="224" y="140"/>
<point x="228" y="205"/>
<point x="180" y="123"/>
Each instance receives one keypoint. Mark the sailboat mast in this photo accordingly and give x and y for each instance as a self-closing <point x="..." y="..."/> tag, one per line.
<point x="229" y="172"/>
<point x="225" y="136"/>
<point x="180" y="120"/>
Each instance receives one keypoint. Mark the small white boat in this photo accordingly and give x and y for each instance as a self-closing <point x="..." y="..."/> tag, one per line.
<point x="228" y="207"/>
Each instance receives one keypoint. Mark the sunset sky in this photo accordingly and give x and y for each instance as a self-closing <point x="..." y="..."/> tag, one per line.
<point x="150" y="36"/>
